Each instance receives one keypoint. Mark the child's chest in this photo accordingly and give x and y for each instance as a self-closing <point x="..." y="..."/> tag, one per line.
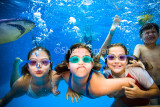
<point x="150" y="54"/>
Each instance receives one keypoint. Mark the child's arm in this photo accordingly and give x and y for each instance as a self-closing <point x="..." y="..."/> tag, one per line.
<point x="136" y="92"/>
<point x="115" y="23"/>
<point x="55" y="78"/>
<point x="15" y="73"/>
<point x="137" y="51"/>
<point x="72" y="94"/>
<point x="136" y="54"/>
<point x="17" y="90"/>
<point x="146" y="81"/>
<point x="106" y="86"/>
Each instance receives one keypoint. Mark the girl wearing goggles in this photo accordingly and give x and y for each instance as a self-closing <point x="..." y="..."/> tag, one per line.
<point x="117" y="61"/>
<point x="38" y="70"/>
<point x="79" y="71"/>
<point x="34" y="62"/>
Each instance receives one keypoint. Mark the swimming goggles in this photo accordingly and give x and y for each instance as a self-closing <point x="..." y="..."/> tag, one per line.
<point x="120" y="57"/>
<point x="76" y="59"/>
<point x="34" y="62"/>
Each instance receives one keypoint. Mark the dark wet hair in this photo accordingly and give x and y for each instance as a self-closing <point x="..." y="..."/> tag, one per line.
<point x="148" y="26"/>
<point x="62" y="67"/>
<point x="25" y="67"/>
<point x="116" y="45"/>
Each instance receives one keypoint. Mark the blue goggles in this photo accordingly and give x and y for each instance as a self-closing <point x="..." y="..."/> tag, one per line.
<point x="120" y="57"/>
<point x="76" y="59"/>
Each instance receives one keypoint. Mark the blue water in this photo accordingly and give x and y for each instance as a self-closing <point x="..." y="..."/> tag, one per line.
<point x="61" y="23"/>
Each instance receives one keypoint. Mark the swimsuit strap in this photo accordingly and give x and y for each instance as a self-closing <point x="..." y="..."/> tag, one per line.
<point x="87" y="85"/>
<point x="69" y="81"/>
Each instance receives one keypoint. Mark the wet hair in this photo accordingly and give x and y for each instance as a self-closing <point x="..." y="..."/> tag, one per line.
<point x="148" y="26"/>
<point x="118" y="45"/>
<point x="25" y="67"/>
<point x="62" y="67"/>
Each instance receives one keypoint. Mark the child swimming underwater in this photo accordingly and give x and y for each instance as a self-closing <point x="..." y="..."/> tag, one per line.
<point x="37" y="80"/>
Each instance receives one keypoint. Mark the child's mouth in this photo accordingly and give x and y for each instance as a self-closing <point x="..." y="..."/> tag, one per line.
<point x="80" y="67"/>
<point x="39" y="72"/>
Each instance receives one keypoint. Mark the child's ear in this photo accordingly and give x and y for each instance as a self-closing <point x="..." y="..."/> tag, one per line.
<point x="68" y="65"/>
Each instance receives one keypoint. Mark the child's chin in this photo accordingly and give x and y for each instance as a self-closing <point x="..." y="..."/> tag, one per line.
<point x="117" y="70"/>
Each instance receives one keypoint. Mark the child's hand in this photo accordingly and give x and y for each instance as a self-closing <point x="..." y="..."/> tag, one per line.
<point x="55" y="81"/>
<point x="54" y="91"/>
<point x="72" y="94"/>
<point x="132" y="92"/>
<point x="136" y="64"/>
<point x="115" y="24"/>
<point x="17" y="61"/>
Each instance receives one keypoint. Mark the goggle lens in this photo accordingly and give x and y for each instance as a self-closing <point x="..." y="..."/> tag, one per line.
<point x="74" y="59"/>
<point x="111" y="57"/>
<point x="122" y="57"/>
<point x="45" y="62"/>
<point x="87" y="59"/>
<point x="32" y="62"/>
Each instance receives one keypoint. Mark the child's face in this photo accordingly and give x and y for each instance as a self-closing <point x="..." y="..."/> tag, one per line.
<point x="80" y="69"/>
<point x="39" y="66"/>
<point x="150" y="36"/>
<point x="116" y="65"/>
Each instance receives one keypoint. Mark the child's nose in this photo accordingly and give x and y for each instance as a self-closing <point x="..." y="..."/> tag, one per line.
<point x="81" y="62"/>
<point x="116" y="59"/>
<point x="38" y="65"/>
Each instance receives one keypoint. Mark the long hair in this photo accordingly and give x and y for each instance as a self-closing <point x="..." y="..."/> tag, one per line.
<point x="62" y="67"/>
<point x="25" y="67"/>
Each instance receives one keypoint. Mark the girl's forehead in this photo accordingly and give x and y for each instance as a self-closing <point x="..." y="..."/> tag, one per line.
<point x="116" y="49"/>
<point x="38" y="54"/>
<point x="80" y="51"/>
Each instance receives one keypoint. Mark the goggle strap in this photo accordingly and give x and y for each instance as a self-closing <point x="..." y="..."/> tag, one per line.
<point x="131" y="56"/>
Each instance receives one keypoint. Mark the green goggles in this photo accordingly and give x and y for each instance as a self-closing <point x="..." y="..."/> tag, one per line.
<point x="76" y="59"/>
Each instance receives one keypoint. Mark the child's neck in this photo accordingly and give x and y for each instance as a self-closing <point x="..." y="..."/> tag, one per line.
<point x="80" y="82"/>
<point x="40" y="81"/>
<point x="151" y="45"/>
<point x="118" y="74"/>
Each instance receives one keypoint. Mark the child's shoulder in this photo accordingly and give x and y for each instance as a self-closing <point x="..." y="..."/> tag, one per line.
<point x="139" y="45"/>
<point x="23" y="81"/>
